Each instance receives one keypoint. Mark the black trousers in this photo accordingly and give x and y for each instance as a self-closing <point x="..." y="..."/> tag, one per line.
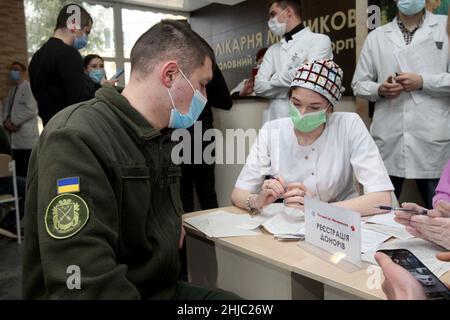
<point x="22" y="157"/>
<point x="202" y="177"/>
<point x="427" y="189"/>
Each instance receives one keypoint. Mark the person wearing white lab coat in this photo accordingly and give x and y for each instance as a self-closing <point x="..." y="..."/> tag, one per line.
<point x="315" y="152"/>
<point x="299" y="45"/>
<point x="20" y="118"/>
<point x="411" y="124"/>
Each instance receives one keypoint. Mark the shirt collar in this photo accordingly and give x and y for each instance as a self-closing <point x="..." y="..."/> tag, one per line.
<point x="403" y="27"/>
<point x="288" y="35"/>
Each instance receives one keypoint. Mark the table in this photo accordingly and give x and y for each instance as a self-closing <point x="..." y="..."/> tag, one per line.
<point x="260" y="267"/>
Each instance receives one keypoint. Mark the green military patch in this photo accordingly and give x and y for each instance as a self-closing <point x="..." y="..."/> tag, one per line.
<point x="66" y="215"/>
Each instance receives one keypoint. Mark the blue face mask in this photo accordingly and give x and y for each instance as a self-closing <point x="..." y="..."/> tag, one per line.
<point x="97" y="75"/>
<point x="184" y="121"/>
<point x="80" y="42"/>
<point x="15" y="75"/>
<point x="410" y="7"/>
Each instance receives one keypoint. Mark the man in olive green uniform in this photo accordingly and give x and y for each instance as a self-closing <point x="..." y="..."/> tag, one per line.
<point x="103" y="207"/>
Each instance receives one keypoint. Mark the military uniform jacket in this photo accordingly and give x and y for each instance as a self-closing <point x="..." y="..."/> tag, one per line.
<point x="103" y="212"/>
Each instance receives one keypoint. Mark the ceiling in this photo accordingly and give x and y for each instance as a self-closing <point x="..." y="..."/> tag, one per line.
<point x="179" y="5"/>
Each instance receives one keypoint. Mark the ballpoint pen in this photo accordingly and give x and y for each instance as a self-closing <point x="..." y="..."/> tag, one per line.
<point x="420" y="211"/>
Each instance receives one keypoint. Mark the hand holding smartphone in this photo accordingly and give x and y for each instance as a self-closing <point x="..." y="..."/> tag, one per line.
<point x="117" y="75"/>
<point x="433" y="287"/>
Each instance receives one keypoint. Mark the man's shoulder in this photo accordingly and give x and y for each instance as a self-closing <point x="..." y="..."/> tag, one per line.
<point x="85" y="117"/>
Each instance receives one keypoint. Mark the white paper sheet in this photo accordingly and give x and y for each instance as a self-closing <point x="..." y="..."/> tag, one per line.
<point x="371" y="240"/>
<point x="385" y="220"/>
<point x="221" y="224"/>
<point x="419" y="58"/>
<point x="425" y="251"/>
<point x="284" y="224"/>
<point x="397" y="232"/>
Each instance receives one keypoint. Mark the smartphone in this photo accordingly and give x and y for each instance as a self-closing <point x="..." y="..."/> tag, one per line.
<point x="118" y="74"/>
<point x="434" y="288"/>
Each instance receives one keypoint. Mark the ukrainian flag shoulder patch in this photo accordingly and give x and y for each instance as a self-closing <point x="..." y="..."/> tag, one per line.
<point x="68" y="185"/>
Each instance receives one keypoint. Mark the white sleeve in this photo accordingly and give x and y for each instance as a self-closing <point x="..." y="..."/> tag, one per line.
<point x="320" y="49"/>
<point x="258" y="161"/>
<point x="263" y="86"/>
<point x="365" y="158"/>
<point x="437" y="85"/>
<point x="365" y="83"/>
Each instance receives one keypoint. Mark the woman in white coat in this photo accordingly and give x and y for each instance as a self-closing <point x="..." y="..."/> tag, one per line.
<point x="314" y="152"/>
<point x="20" y="118"/>
<point x="404" y="68"/>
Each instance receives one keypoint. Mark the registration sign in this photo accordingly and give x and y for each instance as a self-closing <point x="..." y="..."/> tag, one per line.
<point x="333" y="229"/>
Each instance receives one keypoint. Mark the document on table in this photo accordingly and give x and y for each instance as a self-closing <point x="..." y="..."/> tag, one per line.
<point x="424" y="250"/>
<point x="371" y="240"/>
<point x="397" y="232"/>
<point x="419" y="58"/>
<point x="386" y="219"/>
<point x="221" y="224"/>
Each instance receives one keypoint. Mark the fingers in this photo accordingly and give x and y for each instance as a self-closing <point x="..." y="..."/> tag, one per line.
<point x="403" y="215"/>
<point x="425" y="220"/>
<point x="383" y="260"/>
<point x="443" y="256"/>
<point x="274" y="185"/>
<point x="442" y="209"/>
<point x="282" y="181"/>
<point x="414" y="232"/>
<point x="297" y="185"/>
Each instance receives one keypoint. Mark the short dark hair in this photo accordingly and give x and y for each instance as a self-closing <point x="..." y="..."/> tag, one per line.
<point x="21" y="65"/>
<point x="89" y="57"/>
<point x="170" y="39"/>
<point x="294" y="4"/>
<point x="63" y="16"/>
<point x="261" y="52"/>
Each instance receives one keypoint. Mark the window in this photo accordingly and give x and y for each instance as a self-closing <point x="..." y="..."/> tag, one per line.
<point x="41" y="19"/>
<point x="136" y="22"/>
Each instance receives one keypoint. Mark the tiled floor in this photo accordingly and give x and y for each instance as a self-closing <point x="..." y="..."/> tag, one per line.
<point x="10" y="269"/>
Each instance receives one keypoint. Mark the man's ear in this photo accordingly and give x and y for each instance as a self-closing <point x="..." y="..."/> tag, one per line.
<point x="168" y="73"/>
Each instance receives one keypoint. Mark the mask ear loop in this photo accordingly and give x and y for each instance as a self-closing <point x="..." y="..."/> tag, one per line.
<point x="171" y="99"/>
<point x="187" y="80"/>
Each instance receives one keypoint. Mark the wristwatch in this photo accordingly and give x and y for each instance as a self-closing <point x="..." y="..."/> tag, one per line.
<point x="250" y="209"/>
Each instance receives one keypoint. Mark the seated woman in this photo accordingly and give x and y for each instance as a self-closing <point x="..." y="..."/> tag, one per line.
<point x="435" y="226"/>
<point x="315" y="152"/>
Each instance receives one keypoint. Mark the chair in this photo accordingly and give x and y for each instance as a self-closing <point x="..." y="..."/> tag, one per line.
<point x="8" y="169"/>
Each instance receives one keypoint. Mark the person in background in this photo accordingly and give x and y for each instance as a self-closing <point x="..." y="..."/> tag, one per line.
<point x="246" y="87"/>
<point x="315" y="152"/>
<point x="298" y="46"/>
<point x="432" y="5"/>
<point x="412" y="114"/>
<point x="399" y="284"/>
<point x="20" y="118"/>
<point x="56" y="70"/>
<point x="94" y="66"/>
<point x="200" y="176"/>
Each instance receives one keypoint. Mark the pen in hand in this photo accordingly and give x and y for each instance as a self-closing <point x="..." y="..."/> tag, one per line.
<point x="420" y="212"/>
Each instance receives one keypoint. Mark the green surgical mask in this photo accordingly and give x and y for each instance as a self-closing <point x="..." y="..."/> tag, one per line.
<point x="307" y="122"/>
